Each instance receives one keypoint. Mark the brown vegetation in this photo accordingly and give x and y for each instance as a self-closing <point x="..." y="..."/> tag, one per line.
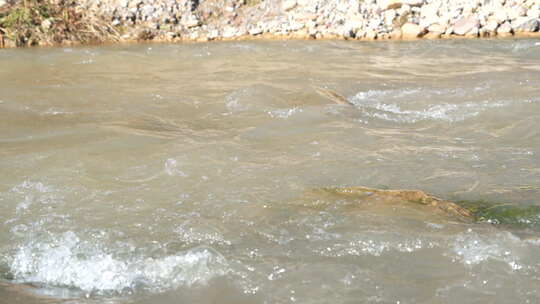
<point x="42" y="22"/>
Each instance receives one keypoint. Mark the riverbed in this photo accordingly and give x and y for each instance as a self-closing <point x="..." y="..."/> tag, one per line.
<point x="162" y="173"/>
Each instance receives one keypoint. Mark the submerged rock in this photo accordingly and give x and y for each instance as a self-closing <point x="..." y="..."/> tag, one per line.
<point x="480" y="211"/>
<point x="411" y="196"/>
<point x="333" y="96"/>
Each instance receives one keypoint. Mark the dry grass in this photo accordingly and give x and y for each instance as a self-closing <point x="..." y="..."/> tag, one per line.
<point x="42" y="22"/>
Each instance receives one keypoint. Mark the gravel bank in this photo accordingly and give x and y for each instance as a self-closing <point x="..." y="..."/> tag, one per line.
<point x="204" y="20"/>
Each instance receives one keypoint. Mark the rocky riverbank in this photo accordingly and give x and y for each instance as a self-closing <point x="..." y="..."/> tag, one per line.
<point x="45" y="23"/>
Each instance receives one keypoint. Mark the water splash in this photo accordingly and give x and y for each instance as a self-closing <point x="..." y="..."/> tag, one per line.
<point x="68" y="261"/>
<point x="394" y="111"/>
<point x="471" y="248"/>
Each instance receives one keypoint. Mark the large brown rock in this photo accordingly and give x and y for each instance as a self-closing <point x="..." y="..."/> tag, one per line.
<point x="411" y="196"/>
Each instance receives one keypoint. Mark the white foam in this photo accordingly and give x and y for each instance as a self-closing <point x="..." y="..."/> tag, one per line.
<point x="173" y="168"/>
<point x="376" y="247"/>
<point x="68" y="261"/>
<point x="33" y="192"/>
<point x="392" y="111"/>
<point x="232" y="101"/>
<point x="472" y="249"/>
<point x="284" y="113"/>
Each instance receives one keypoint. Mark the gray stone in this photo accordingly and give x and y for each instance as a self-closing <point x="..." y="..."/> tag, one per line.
<point x="504" y="29"/>
<point x="465" y="25"/>
<point x="190" y="21"/>
<point x="396" y="34"/>
<point x="229" y="32"/>
<point x="491" y="26"/>
<point x="411" y="31"/>
<point x="389" y="16"/>
<point x="525" y="24"/>
<point x="288" y="5"/>
<point x="429" y="15"/>
<point x="370" y="34"/>
<point x="516" y="11"/>
<point x="534" y="11"/>
<point x="213" y="34"/>
<point x="46" y="24"/>
<point x="147" y="10"/>
<point x="473" y="32"/>
<point x="500" y="15"/>
<point x="255" y="31"/>
<point x="437" y="28"/>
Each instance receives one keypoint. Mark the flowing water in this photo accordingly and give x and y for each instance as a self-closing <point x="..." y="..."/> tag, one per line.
<point x="186" y="173"/>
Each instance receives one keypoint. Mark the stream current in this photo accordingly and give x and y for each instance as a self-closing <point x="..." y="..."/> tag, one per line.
<point x="185" y="173"/>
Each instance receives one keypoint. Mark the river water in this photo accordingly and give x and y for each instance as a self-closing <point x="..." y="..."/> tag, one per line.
<point x="186" y="173"/>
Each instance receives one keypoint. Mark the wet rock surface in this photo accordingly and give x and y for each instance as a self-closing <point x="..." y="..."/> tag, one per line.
<point x="496" y="213"/>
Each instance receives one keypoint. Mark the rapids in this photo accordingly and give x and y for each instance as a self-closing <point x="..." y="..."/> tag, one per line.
<point x="158" y="173"/>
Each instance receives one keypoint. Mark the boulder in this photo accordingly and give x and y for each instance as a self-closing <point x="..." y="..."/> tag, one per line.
<point x="473" y="33"/>
<point x="396" y="34"/>
<point x="534" y="11"/>
<point x="288" y="5"/>
<point x="496" y="213"/>
<point x="255" y="31"/>
<point x="437" y="28"/>
<point x="432" y="35"/>
<point x="465" y="25"/>
<point x="352" y="26"/>
<point x="412" y="31"/>
<point x="190" y="21"/>
<point x="429" y="14"/>
<point x="525" y="24"/>
<point x="370" y="34"/>
<point x="389" y="17"/>
<point x="504" y="29"/>
<point x="491" y="26"/>
<point x="516" y="11"/>
<point x="499" y="15"/>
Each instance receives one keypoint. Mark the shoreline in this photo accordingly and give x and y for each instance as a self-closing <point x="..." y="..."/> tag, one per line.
<point x="57" y="22"/>
<point x="267" y="38"/>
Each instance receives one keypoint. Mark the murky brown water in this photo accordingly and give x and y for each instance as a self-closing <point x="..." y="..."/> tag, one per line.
<point x="182" y="173"/>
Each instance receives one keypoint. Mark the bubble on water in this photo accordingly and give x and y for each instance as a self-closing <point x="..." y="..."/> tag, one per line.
<point x="194" y="232"/>
<point x="172" y="168"/>
<point x="31" y="192"/>
<point x="284" y="113"/>
<point x="66" y="260"/>
<point x="232" y="101"/>
<point x="375" y="247"/>
<point x="55" y="111"/>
